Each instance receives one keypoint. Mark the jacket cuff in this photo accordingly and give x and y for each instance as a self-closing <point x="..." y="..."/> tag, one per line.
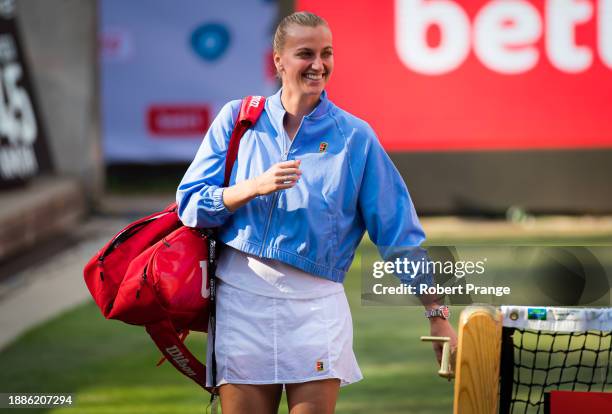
<point x="219" y="208"/>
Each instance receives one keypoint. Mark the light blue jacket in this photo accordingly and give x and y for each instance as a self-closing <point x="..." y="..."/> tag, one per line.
<point x="348" y="185"/>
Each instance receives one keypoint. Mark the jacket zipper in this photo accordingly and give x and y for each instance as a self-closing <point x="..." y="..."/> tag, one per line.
<point x="276" y="194"/>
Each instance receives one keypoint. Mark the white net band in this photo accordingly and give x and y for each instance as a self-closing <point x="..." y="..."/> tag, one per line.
<point x="557" y="319"/>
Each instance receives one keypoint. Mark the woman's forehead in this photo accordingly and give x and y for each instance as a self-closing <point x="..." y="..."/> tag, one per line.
<point x="306" y="36"/>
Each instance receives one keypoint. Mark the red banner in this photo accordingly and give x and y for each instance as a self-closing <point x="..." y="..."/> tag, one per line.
<point x="171" y="121"/>
<point x="573" y="402"/>
<point x="474" y="74"/>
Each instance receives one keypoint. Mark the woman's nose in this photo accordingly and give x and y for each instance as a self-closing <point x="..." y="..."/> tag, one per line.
<point x="317" y="63"/>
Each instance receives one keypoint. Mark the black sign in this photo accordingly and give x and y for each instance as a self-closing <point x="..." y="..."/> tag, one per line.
<point x="23" y="149"/>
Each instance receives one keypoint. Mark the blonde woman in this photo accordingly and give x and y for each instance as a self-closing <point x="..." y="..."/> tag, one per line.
<point x="309" y="180"/>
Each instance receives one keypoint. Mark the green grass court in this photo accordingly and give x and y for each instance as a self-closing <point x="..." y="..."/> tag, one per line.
<point x="110" y="366"/>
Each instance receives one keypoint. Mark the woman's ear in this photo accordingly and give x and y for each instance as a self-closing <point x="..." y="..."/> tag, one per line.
<point x="277" y="62"/>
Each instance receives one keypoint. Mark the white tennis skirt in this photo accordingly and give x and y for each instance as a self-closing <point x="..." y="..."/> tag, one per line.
<point x="266" y="340"/>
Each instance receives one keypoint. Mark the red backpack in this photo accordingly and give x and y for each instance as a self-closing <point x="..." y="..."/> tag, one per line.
<point x="157" y="272"/>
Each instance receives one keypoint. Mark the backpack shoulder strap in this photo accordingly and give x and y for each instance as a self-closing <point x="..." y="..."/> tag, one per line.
<point x="174" y="350"/>
<point x="250" y="111"/>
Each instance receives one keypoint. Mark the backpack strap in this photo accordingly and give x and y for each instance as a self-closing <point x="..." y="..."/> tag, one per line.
<point x="250" y="110"/>
<point x="174" y="350"/>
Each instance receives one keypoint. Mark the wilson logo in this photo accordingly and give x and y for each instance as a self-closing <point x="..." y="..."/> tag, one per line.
<point x="255" y="101"/>
<point x="182" y="362"/>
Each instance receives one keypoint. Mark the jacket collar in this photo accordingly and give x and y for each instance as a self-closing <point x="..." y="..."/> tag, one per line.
<point x="278" y="111"/>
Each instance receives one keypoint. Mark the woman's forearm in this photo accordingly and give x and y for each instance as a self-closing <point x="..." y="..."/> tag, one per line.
<point x="239" y="194"/>
<point x="280" y="176"/>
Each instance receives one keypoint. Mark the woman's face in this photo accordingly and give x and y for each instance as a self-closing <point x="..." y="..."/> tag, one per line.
<point x="307" y="60"/>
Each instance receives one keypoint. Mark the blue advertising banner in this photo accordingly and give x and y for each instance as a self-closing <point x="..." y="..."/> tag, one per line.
<point x="167" y="68"/>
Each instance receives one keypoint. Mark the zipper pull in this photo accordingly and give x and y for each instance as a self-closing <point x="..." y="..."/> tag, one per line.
<point x="142" y="282"/>
<point x="101" y="267"/>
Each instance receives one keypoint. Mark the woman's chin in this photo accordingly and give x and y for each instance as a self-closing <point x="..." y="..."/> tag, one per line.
<point x="315" y="89"/>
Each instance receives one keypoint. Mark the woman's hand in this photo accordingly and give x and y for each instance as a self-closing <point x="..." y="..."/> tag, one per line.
<point x="442" y="327"/>
<point x="280" y="176"/>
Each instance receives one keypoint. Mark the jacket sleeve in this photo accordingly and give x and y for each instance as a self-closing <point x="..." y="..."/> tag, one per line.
<point x="388" y="212"/>
<point x="200" y="194"/>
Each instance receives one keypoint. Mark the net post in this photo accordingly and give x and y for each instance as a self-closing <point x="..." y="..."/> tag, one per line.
<point x="506" y="371"/>
<point x="478" y="361"/>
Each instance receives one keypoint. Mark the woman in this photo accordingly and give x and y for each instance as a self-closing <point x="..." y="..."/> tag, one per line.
<point x="309" y="180"/>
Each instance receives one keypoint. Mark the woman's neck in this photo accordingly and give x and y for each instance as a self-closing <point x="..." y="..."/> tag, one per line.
<point x="298" y="105"/>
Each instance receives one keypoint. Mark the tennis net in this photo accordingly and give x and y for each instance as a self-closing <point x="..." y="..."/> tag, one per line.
<point x="548" y="348"/>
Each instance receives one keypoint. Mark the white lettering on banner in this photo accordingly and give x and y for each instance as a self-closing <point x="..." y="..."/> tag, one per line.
<point x="183" y="362"/>
<point x="413" y="18"/>
<point x="507" y="48"/>
<point x="178" y="121"/>
<point x="504" y="35"/>
<point x="7" y="8"/>
<point x="17" y="122"/>
<point x="8" y="51"/>
<point x="17" y="162"/>
<point x="562" y="17"/>
<point x="605" y="31"/>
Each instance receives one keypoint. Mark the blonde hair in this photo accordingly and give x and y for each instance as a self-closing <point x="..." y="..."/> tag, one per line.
<point x="302" y="18"/>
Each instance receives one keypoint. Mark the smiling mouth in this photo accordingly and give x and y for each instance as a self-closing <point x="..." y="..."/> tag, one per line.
<point x="314" y="76"/>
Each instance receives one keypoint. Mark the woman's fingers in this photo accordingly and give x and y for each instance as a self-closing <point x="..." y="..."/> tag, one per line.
<point x="285" y="186"/>
<point x="289" y="164"/>
<point x="285" y="181"/>
<point x="280" y="176"/>
<point x="288" y="171"/>
<point x="287" y="168"/>
<point x="277" y="178"/>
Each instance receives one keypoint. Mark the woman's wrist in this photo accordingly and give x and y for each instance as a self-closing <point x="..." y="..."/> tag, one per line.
<point x="253" y="187"/>
<point x="438" y="321"/>
<point x="239" y="194"/>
